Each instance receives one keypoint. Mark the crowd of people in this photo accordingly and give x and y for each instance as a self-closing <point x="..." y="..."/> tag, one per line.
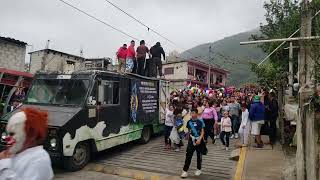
<point x="135" y="60"/>
<point x="219" y="114"/>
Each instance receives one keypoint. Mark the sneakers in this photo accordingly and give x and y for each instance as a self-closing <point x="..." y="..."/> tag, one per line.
<point x="236" y="136"/>
<point x="213" y="141"/>
<point x="197" y="173"/>
<point x="232" y="136"/>
<point x="227" y="149"/>
<point x="184" y="174"/>
<point x="177" y="150"/>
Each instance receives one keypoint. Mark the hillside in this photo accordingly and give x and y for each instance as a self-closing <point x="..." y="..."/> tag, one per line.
<point x="228" y="54"/>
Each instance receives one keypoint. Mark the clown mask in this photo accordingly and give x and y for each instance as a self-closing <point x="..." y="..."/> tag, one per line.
<point x="16" y="131"/>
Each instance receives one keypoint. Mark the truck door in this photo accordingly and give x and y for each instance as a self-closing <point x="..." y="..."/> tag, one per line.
<point x="109" y="105"/>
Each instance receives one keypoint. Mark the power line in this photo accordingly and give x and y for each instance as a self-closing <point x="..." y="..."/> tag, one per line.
<point x="99" y="20"/>
<point x="148" y="27"/>
<point x="269" y="55"/>
<point x="137" y="20"/>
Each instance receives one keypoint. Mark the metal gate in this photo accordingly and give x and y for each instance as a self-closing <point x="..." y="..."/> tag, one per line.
<point x="164" y="98"/>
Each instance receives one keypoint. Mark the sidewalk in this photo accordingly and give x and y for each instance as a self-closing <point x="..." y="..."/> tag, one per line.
<point x="262" y="164"/>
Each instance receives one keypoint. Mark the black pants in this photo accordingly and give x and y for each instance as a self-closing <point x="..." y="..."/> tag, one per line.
<point x="135" y="66"/>
<point x="208" y="130"/>
<point x="226" y="135"/>
<point x="167" y="131"/>
<point x="190" y="150"/>
<point x="156" y="66"/>
<point x="141" y="69"/>
<point x="235" y="124"/>
<point x="273" y="130"/>
<point x="147" y="69"/>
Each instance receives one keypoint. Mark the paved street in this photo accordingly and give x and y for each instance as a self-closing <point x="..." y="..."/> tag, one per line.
<point x="152" y="157"/>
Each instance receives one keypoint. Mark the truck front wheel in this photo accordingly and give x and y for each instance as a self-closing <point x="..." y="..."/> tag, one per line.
<point x="79" y="159"/>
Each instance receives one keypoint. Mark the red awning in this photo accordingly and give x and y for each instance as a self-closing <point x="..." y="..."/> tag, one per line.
<point x="16" y="73"/>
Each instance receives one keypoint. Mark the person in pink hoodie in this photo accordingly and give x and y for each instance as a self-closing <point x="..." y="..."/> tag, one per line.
<point x="210" y="117"/>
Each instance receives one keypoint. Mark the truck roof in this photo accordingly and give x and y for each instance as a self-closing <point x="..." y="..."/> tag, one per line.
<point x="96" y="72"/>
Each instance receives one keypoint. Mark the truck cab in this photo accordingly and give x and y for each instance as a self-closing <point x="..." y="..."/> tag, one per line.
<point x="90" y="111"/>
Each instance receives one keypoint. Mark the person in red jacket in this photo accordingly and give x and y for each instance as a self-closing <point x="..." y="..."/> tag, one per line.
<point x="131" y="63"/>
<point x="122" y="55"/>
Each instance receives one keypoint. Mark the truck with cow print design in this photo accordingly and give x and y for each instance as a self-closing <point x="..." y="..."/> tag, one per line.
<point x="93" y="110"/>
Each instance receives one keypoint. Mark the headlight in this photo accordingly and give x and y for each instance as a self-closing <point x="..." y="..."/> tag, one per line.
<point x="53" y="142"/>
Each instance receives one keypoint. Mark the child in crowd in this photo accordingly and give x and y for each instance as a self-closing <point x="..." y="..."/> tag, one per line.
<point x="217" y="107"/>
<point x="225" y="129"/>
<point x="180" y="129"/>
<point x="169" y="123"/>
<point x="244" y="126"/>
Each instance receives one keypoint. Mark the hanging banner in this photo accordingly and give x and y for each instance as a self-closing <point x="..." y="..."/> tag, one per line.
<point x="144" y="103"/>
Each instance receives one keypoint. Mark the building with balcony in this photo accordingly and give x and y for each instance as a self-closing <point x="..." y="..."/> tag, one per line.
<point x="181" y="72"/>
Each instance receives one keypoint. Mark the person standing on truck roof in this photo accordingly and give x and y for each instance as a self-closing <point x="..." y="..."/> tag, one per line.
<point x="131" y="63"/>
<point x="122" y="55"/>
<point x="25" y="157"/>
<point x="142" y="51"/>
<point x="156" y="52"/>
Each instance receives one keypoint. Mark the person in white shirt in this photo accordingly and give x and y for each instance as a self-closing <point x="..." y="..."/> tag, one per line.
<point x="25" y="158"/>
<point x="226" y="129"/>
<point x="169" y="123"/>
<point x="244" y="129"/>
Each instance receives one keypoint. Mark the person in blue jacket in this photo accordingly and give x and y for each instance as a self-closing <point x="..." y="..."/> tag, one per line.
<point x="257" y="115"/>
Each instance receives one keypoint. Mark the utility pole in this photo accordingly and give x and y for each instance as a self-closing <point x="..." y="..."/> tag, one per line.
<point x="290" y="69"/>
<point x="45" y="56"/>
<point x="307" y="133"/>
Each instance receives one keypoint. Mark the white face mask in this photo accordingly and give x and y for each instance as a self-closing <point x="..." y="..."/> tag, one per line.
<point x="15" y="128"/>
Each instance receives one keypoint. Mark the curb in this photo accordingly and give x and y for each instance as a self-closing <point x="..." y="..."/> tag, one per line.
<point x="128" y="173"/>
<point x="240" y="164"/>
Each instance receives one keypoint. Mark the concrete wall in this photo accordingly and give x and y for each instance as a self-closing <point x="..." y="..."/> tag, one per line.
<point x="12" y="56"/>
<point x="53" y="62"/>
<point x="180" y="70"/>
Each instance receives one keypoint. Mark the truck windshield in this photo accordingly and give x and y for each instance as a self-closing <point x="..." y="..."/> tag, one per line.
<point x="58" y="91"/>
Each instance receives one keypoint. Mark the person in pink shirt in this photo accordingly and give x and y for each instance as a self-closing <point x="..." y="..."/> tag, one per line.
<point x="210" y="117"/>
<point x="131" y="63"/>
<point x="122" y="55"/>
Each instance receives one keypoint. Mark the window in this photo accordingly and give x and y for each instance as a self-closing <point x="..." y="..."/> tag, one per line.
<point x="109" y="92"/>
<point x="58" y="91"/>
<point x="190" y="70"/>
<point x="219" y="79"/>
<point x="169" y="71"/>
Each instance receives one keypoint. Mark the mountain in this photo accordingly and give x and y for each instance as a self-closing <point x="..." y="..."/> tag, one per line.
<point x="228" y="54"/>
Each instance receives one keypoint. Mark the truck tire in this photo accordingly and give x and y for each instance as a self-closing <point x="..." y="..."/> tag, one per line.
<point x="80" y="158"/>
<point x="146" y="135"/>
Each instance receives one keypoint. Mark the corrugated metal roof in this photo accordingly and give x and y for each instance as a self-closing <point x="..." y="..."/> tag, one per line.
<point x="7" y="39"/>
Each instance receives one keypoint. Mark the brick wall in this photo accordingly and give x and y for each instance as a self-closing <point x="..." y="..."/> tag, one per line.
<point x="12" y="56"/>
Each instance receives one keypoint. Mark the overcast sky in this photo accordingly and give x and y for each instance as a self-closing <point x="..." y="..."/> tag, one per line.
<point x="186" y="22"/>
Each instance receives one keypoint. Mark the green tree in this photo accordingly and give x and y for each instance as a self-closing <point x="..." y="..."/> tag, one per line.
<point x="282" y="19"/>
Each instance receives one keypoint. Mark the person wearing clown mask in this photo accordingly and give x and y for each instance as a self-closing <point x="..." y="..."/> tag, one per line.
<point x="25" y="158"/>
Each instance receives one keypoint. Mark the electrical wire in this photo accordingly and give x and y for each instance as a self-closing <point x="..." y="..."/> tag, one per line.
<point x="269" y="55"/>
<point x="99" y="20"/>
<point x="137" y="20"/>
<point x="148" y="27"/>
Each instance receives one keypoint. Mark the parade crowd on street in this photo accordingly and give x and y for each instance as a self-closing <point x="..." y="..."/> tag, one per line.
<point x="196" y="114"/>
